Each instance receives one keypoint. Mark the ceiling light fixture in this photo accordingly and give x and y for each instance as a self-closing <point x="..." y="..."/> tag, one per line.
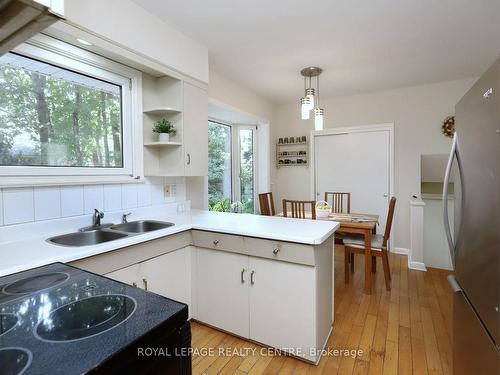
<point x="84" y="42"/>
<point x="310" y="102"/>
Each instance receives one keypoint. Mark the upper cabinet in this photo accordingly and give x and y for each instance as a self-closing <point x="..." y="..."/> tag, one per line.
<point x="21" y="20"/>
<point x="195" y="130"/>
<point x="184" y="106"/>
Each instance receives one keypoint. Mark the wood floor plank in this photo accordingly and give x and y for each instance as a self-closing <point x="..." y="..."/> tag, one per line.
<point x="404" y="331"/>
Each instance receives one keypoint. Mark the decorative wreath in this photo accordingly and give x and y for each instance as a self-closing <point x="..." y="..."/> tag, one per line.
<point x="448" y="127"/>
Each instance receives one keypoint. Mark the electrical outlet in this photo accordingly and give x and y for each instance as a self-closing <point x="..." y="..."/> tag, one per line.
<point x="169" y="190"/>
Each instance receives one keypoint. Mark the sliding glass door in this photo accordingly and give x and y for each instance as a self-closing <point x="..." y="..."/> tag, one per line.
<point x="231" y="166"/>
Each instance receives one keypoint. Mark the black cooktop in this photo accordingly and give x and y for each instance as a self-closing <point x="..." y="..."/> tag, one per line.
<point x="59" y="319"/>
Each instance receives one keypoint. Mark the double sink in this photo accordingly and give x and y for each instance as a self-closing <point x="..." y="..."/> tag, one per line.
<point x="108" y="233"/>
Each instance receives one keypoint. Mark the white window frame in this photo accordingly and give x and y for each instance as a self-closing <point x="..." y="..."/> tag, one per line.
<point x="66" y="56"/>
<point x="235" y="160"/>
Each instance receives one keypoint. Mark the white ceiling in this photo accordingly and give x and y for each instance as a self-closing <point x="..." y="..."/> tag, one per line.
<point x="362" y="45"/>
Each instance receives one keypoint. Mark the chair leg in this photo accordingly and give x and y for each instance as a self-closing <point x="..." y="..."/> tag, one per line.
<point x="374" y="264"/>
<point x="346" y="265"/>
<point x="352" y="262"/>
<point x="387" y="272"/>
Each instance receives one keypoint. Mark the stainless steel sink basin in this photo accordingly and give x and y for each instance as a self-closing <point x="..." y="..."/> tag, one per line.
<point x="141" y="226"/>
<point x="92" y="237"/>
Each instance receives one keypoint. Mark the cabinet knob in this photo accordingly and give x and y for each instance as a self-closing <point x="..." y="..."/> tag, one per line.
<point x="276" y="250"/>
<point x="216" y="242"/>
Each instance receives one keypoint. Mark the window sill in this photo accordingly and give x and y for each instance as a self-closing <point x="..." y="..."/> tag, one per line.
<point x="23" y="181"/>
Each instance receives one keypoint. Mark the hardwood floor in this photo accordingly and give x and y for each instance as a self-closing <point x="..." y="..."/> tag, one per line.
<point x="405" y="331"/>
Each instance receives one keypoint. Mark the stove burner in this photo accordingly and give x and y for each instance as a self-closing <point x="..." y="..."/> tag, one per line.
<point x="14" y="360"/>
<point x="36" y="283"/>
<point x="85" y="318"/>
<point x="7" y="322"/>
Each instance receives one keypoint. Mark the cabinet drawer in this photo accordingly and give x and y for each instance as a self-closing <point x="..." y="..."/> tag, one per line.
<point x="218" y="241"/>
<point x="279" y="250"/>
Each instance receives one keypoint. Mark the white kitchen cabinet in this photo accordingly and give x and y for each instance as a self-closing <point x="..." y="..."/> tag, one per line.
<point x="128" y="275"/>
<point x="222" y="290"/>
<point x="167" y="275"/>
<point x="195" y="131"/>
<point x="282" y="305"/>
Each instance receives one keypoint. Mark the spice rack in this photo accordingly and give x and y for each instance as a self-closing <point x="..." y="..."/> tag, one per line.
<point x="292" y="154"/>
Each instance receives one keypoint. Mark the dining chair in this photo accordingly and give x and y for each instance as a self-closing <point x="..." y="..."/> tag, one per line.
<point x="298" y="209"/>
<point x="355" y="244"/>
<point x="266" y="203"/>
<point x="340" y="202"/>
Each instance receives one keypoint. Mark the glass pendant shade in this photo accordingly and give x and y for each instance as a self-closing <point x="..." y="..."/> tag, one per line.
<point x="304" y="108"/>
<point x="318" y="118"/>
<point x="310" y="96"/>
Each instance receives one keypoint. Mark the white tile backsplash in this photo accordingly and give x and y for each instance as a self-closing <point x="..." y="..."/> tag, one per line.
<point x="144" y="195"/>
<point x="21" y="205"/>
<point x="18" y="205"/>
<point x="1" y="207"/>
<point x="93" y="198"/>
<point x="47" y="203"/>
<point x="71" y="201"/>
<point x="129" y="196"/>
<point x="112" y="197"/>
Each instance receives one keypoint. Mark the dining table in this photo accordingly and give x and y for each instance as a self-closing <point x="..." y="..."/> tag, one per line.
<point x="355" y="223"/>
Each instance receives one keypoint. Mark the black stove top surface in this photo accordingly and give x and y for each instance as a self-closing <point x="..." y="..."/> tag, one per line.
<point x="59" y="319"/>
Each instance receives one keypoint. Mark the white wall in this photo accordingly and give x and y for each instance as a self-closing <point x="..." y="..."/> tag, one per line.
<point x="129" y="25"/>
<point x="417" y="113"/>
<point x="22" y="205"/>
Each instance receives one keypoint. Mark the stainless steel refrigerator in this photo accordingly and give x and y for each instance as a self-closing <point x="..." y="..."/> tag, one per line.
<point x="474" y="240"/>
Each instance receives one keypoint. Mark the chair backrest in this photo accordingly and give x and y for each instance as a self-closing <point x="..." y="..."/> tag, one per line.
<point x="266" y="203"/>
<point x="298" y="209"/>
<point x="340" y="202"/>
<point x="388" y="223"/>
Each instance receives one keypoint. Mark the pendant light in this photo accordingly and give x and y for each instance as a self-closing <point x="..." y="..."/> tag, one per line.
<point x="318" y="111"/>
<point x="310" y="102"/>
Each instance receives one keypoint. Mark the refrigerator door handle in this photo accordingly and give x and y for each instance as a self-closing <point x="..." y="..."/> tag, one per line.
<point x="446" y="181"/>
<point x="454" y="284"/>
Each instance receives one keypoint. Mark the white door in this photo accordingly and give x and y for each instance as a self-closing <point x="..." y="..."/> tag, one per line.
<point x="357" y="162"/>
<point x="167" y="275"/>
<point x="222" y="291"/>
<point x="282" y="304"/>
<point x="128" y="275"/>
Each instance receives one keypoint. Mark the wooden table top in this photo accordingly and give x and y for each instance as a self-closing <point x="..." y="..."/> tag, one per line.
<point x="352" y="220"/>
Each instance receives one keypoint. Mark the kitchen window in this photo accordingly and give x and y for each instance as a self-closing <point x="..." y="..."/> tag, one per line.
<point x="65" y="112"/>
<point x="231" y="166"/>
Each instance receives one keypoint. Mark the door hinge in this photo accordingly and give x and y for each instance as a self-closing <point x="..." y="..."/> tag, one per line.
<point x="130" y="84"/>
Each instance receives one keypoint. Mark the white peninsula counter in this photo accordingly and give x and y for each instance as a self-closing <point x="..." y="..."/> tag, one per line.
<point x="267" y="279"/>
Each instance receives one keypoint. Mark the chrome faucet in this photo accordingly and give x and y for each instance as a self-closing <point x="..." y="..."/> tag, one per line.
<point x="96" y="220"/>
<point x="124" y="217"/>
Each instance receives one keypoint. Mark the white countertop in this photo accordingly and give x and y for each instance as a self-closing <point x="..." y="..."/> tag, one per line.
<point x="24" y="246"/>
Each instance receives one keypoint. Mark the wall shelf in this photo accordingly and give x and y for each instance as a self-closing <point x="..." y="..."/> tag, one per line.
<point x="289" y="155"/>
<point x="162" y="144"/>
<point x="161" y="111"/>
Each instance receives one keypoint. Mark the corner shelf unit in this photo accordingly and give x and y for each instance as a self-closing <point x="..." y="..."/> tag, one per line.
<point x="294" y="154"/>
<point x="163" y="98"/>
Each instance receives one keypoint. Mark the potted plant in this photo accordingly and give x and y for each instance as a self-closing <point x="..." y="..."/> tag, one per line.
<point x="164" y="128"/>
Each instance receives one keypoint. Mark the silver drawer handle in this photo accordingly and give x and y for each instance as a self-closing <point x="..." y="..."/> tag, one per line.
<point x="243" y="275"/>
<point x="216" y="242"/>
<point x="145" y="282"/>
<point x="251" y="277"/>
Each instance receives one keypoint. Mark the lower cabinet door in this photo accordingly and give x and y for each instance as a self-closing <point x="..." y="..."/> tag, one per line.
<point x="167" y="275"/>
<point x="222" y="290"/>
<point x="282" y="306"/>
<point x="128" y="275"/>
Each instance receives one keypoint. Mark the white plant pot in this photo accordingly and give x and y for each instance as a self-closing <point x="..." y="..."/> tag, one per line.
<point x="164" y="137"/>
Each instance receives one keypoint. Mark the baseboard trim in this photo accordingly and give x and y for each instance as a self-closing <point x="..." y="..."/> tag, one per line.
<point x="400" y="250"/>
<point x="419" y="266"/>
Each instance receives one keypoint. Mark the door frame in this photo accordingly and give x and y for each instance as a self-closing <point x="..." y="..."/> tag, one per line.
<point x="354" y="129"/>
